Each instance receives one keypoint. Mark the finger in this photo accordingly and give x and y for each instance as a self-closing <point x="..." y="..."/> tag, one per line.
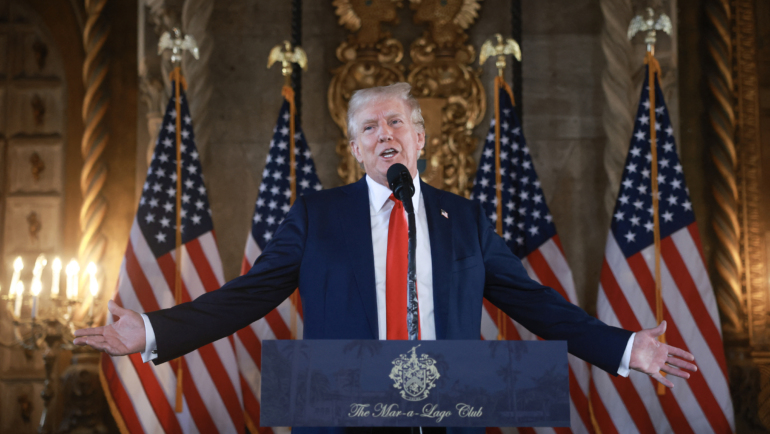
<point x="680" y="353"/>
<point x="672" y="370"/>
<point x="679" y="363"/>
<point x="663" y="380"/>
<point x="96" y="342"/>
<point x="94" y="331"/>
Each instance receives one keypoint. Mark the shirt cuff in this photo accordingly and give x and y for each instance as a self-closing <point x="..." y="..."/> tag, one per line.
<point x="623" y="369"/>
<point x="150" y="347"/>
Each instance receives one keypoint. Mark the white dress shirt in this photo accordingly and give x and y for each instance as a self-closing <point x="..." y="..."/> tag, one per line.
<point x="379" y="211"/>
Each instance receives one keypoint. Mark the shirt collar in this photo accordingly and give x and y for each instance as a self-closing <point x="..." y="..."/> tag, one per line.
<point x="379" y="194"/>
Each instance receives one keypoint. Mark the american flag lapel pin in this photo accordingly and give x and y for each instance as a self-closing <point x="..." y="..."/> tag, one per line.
<point x="444" y="213"/>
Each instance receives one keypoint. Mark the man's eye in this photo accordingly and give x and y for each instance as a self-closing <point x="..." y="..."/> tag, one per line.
<point x="396" y="121"/>
<point x="367" y="128"/>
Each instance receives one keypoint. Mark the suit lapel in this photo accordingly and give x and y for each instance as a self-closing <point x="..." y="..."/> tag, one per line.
<point x="357" y="230"/>
<point x="440" y="233"/>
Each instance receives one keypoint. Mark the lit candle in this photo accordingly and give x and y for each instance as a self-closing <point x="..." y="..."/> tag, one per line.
<point x="18" y="265"/>
<point x="19" y="293"/>
<point x="56" y="272"/>
<point x="93" y="286"/>
<point x="37" y="284"/>
<point x="73" y="268"/>
<point x="35" y="289"/>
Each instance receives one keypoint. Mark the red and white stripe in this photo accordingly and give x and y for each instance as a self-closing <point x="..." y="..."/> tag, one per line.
<point x="626" y="299"/>
<point x="145" y="394"/>
<point x="248" y="345"/>
<point x="548" y="266"/>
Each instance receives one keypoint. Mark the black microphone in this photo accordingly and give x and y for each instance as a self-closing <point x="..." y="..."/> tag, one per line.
<point x="400" y="182"/>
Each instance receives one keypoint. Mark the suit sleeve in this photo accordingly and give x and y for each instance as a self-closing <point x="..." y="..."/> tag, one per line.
<point x="542" y="310"/>
<point x="241" y="301"/>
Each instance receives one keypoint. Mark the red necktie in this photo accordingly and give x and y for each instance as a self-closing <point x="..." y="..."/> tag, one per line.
<point x="396" y="274"/>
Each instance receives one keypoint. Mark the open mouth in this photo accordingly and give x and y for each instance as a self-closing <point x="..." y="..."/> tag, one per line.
<point x="388" y="153"/>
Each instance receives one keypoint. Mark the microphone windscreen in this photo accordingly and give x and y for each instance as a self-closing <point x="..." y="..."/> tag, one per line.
<point x="395" y="175"/>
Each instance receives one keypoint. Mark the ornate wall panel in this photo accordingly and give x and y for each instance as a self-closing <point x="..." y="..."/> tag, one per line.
<point x="441" y="73"/>
<point x="32" y="133"/>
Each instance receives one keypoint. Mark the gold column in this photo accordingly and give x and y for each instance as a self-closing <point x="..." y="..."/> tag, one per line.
<point x="96" y="136"/>
<point x="726" y="264"/>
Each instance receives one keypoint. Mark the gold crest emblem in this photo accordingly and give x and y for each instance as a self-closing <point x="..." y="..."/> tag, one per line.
<point x="414" y="376"/>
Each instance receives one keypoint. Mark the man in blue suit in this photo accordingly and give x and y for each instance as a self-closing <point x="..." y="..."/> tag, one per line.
<point x="333" y="245"/>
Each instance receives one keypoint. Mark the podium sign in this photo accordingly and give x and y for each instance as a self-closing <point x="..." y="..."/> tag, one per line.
<point x="414" y="383"/>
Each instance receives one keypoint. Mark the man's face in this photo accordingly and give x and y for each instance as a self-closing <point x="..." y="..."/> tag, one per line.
<point x="386" y="135"/>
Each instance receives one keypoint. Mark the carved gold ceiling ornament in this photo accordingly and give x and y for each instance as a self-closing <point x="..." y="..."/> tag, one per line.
<point x="370" y="57"/>
<point x="449" y="89"/>
<point x="448" y="19"/>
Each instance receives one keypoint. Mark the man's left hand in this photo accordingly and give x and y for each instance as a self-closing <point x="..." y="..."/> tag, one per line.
<point x="651" y="356"/>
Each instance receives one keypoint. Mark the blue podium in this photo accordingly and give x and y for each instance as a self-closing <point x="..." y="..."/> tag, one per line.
<point x="414" y="383"/>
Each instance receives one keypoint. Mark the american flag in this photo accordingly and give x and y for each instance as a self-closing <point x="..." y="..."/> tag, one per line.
<point x="626" y="299"/>
<point x="271" y="207"/>
<point x="145" y="394"/>
<point x="529" y="231"/>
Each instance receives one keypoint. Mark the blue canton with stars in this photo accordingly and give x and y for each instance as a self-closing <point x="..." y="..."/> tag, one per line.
<point x="632" y="220"/>
<point x="157" y="207"/>
<point x="527" y="223"/>
<point x="275" y="189"/>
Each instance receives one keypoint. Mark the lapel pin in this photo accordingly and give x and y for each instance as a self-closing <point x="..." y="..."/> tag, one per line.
<point x="444" y="213"/>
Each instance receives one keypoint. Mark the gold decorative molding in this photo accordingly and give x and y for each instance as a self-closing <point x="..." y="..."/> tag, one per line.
<point x="93" y="175"/>
<point x="370" y="58"/>
<point x="726" y="260"/>
<point x="443" y="79"/>
<point x="37" y="165"/>
<point x="750" y="173"/>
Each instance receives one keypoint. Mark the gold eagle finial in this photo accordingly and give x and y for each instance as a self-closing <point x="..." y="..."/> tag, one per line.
<point x="286" y="54"/>
<point x="500" y="48"/>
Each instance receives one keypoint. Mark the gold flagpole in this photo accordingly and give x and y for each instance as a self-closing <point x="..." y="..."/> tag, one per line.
<point x="176" y="76"/>
<point x="499" y="47"/>
<point x="286" y="54"/>
<point x="651" y="26"/>
<point x="177" y="45"/>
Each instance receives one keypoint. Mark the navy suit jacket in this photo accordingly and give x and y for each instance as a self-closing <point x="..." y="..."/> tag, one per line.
<point x="324" y="247"/>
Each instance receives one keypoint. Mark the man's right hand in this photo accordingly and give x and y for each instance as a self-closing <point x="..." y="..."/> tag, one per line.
<point x="123" y="337"/>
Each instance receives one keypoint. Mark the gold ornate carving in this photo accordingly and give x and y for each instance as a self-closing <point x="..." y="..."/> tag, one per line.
<point x="726" y="275"/>
<point x="38" y="110"/>
<point x="441" y="69"/>
<point x="37" y="166"/>
<point x="33" y="227"/>
<point x="447" y="19"/>
<point x="370" y="58"/>
<point x="748" y="117"/>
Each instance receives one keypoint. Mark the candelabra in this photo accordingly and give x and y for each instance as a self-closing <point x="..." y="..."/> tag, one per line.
<point x="46" y="320"/>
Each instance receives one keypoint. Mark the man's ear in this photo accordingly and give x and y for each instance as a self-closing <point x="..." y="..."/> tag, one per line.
<point x="355" y="151"/>
<point x="421" y="140"/>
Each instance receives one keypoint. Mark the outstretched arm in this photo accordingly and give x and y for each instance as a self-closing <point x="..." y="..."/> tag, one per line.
<point x="650" y="356"/>
<point x="123" y="337"/>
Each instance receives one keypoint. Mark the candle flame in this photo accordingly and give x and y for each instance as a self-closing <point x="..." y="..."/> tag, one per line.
<point x="93" y="284"/>
<point x="56" y="265"/>
<point x="18" y="264"/>
<point x="73" y="268"/>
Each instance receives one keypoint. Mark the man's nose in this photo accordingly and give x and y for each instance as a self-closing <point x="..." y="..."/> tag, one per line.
<point x="386" y="134"/>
